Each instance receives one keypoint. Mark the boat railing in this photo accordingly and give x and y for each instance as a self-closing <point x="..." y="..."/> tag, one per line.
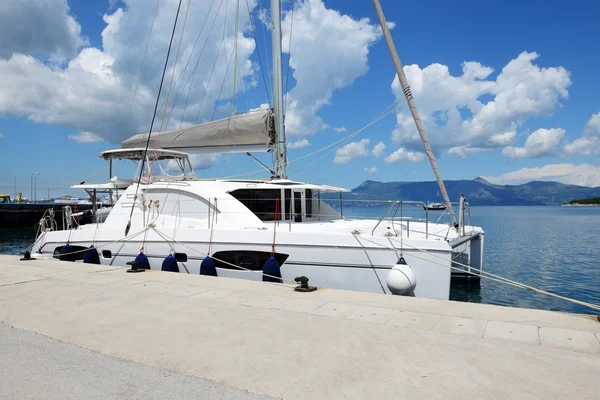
<point x="400" y="214"/>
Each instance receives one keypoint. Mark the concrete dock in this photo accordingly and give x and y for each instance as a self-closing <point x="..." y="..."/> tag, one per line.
<point x="80" y="331"/>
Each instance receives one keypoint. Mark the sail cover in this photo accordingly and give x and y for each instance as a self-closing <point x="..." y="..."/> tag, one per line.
<point x="254" y="131"/>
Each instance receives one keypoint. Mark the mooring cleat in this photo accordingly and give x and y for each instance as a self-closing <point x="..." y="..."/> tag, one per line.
<point x="303" y="287"/>
<point x="134" y="267"/>
<point x="27" y="256"/>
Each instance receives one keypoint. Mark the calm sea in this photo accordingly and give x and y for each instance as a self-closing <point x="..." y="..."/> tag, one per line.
<point x="553" y="248"/>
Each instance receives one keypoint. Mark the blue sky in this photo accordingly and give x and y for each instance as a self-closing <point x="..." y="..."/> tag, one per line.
<point x="525" y="105"/>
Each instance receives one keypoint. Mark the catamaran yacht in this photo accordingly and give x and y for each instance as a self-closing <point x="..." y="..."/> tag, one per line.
<point x="309" y="229"/>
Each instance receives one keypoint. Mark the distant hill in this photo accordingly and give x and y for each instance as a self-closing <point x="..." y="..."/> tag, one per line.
<point x="477" y="192"/>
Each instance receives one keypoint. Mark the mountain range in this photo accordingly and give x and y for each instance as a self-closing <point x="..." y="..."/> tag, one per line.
<point x="477" y="192"/>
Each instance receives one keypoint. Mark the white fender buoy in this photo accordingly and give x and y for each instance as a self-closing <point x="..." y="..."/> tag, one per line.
<point x="401" y="280"/>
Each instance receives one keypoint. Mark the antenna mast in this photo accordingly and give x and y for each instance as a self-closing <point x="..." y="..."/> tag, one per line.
<point x="281" y="143"/>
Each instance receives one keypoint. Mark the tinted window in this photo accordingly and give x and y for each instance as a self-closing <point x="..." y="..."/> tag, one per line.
<point x="261" y="202"/>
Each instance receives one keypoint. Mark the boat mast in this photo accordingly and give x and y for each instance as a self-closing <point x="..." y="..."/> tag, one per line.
<point x="411" y="104"/>
<point x="281" y="145"/>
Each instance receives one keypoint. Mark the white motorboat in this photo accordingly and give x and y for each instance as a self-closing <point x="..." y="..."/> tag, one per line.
<point x="308" y="228"/>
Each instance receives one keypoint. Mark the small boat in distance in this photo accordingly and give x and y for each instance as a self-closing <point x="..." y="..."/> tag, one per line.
<point x="434" y="206"/>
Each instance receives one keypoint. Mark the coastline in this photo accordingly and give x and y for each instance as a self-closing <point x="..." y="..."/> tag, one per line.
<point x="580" y="205"/>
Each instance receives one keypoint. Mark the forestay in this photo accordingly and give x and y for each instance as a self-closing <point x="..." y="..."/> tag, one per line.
<point x="254" y="131"/>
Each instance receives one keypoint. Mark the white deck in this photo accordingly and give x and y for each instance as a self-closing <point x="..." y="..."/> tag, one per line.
<point x="268" y="339"/>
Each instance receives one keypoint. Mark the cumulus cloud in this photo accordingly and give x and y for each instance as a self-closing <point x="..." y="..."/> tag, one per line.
<point x="40" y="27"/>
<point x="85" y="137"/>
<point x="298" y="144"/>
<point x="329" y="52"/>
<point x="93" y="92"/>
<point x="589" y="142"/>
<point x="463" y="151"/>
<point x="371" y="170"/>
<point x="203" y="161"/>
<point x="540" y="143"/>
<point x="582" y="174"/>
<point x="403" y="154"/>
<point x="378" y="149"/>
<point x="472" y="111"/>
<point x="352" y="150"/>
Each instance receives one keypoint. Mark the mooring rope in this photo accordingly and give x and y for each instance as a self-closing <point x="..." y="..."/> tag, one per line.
<point x="484" y="274"/>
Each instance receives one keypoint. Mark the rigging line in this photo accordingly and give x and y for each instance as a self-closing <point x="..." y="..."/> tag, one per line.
<point x="214" y="64"/>
<point x="258" y="52"/>
<point x="171" y="80"/>
<point x="287" y="74"/>
<point x="486" y="275"/>
<point x="192" y="76"/>
<point x="179" y="80"/>
<point x="343" y="141"/>
<point x="222" y="84"/>
<point x="243" y="89"/>
<point x="387" y="110"/>
<point x="269" y="74"/>
<point x="169" y="91"/>
<point x="137" y="85"/>
<point x="95" y="173"/>
<point x="237" y="18"/>
<point x="153" y="118"/>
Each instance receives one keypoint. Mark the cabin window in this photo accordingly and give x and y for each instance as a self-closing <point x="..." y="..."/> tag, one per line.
<point x="181" y="257"/>
<point x="288" y="204"/>
<point x="297" y="206"/>
<point x="77" y="252"/>
<point x="246" y="259"/>
<point x="309" y="202"/>
<point x="262" y="202"/>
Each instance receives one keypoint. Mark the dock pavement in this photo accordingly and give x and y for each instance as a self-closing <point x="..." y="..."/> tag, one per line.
<point x="73" y="330"/>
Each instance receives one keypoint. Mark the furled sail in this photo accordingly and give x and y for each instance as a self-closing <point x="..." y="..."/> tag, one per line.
<point x="254" y="131"/>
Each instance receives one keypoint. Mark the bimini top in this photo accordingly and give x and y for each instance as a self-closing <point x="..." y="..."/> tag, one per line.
<point x="138" y="153"/>
<point x="253" y="131"/>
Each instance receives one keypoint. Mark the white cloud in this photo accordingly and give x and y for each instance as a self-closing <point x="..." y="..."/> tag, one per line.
<point x="583" y="174"/>
<point x="540" y="143"/>
<point x="403" y="154"/>
<point x="85" y="137"/>
<point x="298" y="144"/>
<point x="589" y="142"/>
<point x="473" y="110"/>
<point x="378" y="149"/>
<point x="350" y="151"/>
<point x="94" y="90"/>
<point x="329" y="52"/>
<point x="1" y="134"/>
<point x="371" y="170"/>
<point x="463" y="151"/>
<point x="340" y="129"/>
<point x="41" y="27"/>
<point x="198" y="161"/>
<point x="203" y="161"/>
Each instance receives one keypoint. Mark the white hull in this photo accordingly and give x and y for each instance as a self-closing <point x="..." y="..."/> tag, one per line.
<point x="337" y="261"/>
